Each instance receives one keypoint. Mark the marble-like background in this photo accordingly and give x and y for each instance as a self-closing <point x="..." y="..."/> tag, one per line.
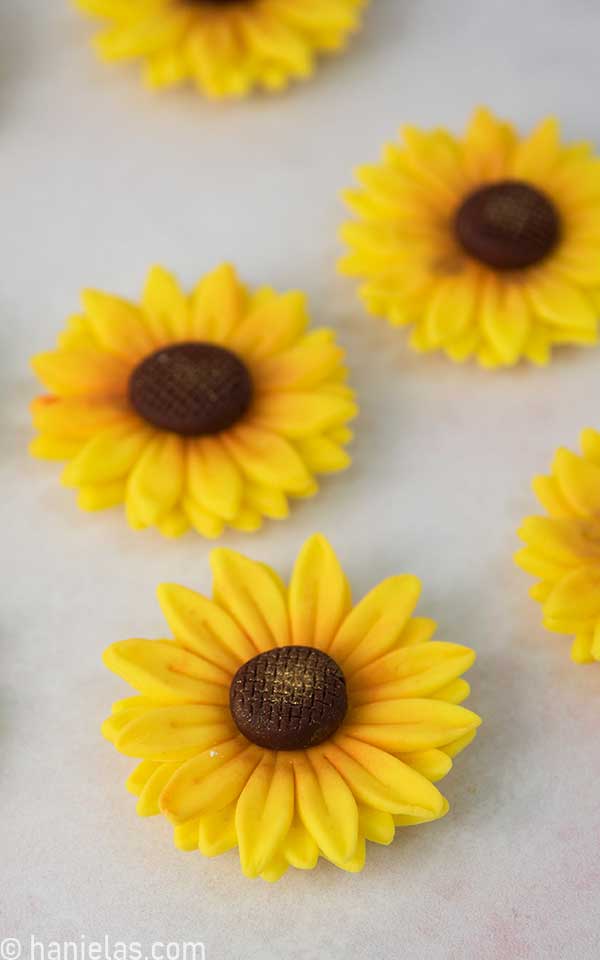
<point x="99" y="180"/>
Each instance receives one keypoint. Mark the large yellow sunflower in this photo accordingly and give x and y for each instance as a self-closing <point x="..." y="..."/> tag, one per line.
<point x="287" y="722"/>
<point x="226" y="47"/>
<point x="202" y="411"/>
<point x="487" y="245"/>
<point x="563" y="549"/>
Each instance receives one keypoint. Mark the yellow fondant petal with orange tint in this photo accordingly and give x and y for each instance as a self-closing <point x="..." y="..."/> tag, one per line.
<point x="319" y="595"/>
<point x="209" y="781"/>
<point x="216" y="831"/>
<point x="165" y="307"/>
<point x="382" y="781"/>
<point x="405" y="726"/>
<point x="167" y="672"/>
<point x="205" y="628"/>
<point x="376" y="623"/>
<point x="252" y="596"/>
<point x="326" y="806"/>
<point x="264" y="812"/>
<point x="213" y="479"/>
<point x="218" y="305"/>
<point x="175" y="733"/>
<point x="157" y="481"/>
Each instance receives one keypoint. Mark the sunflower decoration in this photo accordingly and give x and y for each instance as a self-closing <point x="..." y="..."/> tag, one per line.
<point x="488" y="246"/>
<point x="563" y="548"/>
<point x="226" y="47"/>
<point x="203" y="411"/>
<point x="287" y="722"/>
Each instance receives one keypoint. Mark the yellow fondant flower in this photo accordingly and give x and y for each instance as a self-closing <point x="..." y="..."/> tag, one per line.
<point x="487" y="245"/>
<point x="285" y="721"/>
<point x="201" y="411"/>
<point x="563" y="548"/>
<point x="226" y="47"/>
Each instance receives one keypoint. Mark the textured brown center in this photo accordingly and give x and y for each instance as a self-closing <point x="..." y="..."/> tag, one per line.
<point x="290" y="698"/>
<point x="191" y="389"/>
<point x="508" y="225"/>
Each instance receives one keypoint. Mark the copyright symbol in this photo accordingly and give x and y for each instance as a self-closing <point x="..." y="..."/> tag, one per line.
<point x="10" y="948"/>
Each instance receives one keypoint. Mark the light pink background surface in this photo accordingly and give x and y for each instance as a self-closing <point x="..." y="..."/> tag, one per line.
<point x="99" y="180"/>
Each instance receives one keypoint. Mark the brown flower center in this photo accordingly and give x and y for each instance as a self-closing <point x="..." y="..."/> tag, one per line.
<point x="191" y="389"/>
<point x="290" y="698"/>
<point x="508" y="225"/>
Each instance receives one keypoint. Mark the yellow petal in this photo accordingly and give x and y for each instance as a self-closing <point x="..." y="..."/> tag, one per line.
<point x="356" y="862"/>
<point x="590" y="445"/>
<point x="454" y="692"/>
<point x="450" y="311"/>
<point x="322" y="454"/>
<point x="299" y="848"/>
<point x="376" y="623"/>
<point x="275" y="869"/>
<point x="138" y="779"/>
<point x="536" y="156"/>
<point x="375" y="825"/>
<point x="489" y="144"/>
<point x="216" y="831"/>
<point x="175" y="733"/>
<point x="185" y="836"/>
<point x="458" y="745"/>
<point x="148" y="805"/>
<point x="549" y="494"/>
<point x="165" y="69"/>
<point x="204" y="628"/>
<point x="416" y="671"/>
<point x="141" y="35"/>
<point x="561" y="540"/>
<point x="305" y="366"/>
<point x="579" y="481"/>
<point x="53" y="448"/>
<point x="156" y="482"/>
<point x="247" y="520"/>
<point x="506" y="320"/>
<point x="319" y="595"/>
<point x="265" y="812"/>
<point x="108" y="456"/>
<point x="213" y="479"/>
<point x="433" y="764"/>
<point x="253" y="596"/>
<point x="576" y="596"/>
<point x="273" y="326"/>
<point x="266" y="501"/>
<point x="268" y="459"/>
<point x="210" y="781"/>
<point x="165" y="307"/>
<point x="301" y="414"/>
<point x="581" y="648"/>
<point x="406" y="726"/>
<point x="167" y="672"/>
<point x="77" y="418"/>
<point x="325" y="805"/>
<point x="403" y="820"/>
<point x="218" y="304"/>
<point x="100" y="497"/>
<point x="380" y="780"/>
<point x="562" y="304"/>
<point x="417" y="630"/>
<point x="205" y="523"/>
<point x="83" y="373"/>
<point x="118" y="325"/>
